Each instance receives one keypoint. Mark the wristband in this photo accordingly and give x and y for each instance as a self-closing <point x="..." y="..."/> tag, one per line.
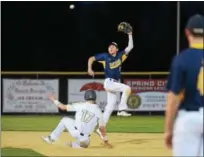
<point x="56" y="102"/>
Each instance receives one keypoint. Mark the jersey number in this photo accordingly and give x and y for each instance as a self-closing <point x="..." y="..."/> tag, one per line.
<point x="86" y="116"/>
<point x="200" y="84"/>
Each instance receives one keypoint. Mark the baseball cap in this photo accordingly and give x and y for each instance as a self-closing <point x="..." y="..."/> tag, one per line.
<point x="196" y="24"/>
<point x="114" y="43"/>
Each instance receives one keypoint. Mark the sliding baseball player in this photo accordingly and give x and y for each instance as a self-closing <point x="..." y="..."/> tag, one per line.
<point x="184" y="118"/>
<point x="112" y="62"/>
<point x="87" y="116"/>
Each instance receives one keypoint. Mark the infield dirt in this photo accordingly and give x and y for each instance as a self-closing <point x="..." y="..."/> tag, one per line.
<point x="125" y="144"/>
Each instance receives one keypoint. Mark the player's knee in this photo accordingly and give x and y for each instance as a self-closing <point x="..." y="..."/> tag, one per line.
<point x="84" y="144"/>
<point x="109" y="90"/>
<point x="127" y="90"/>
<point x="64" y="119"/>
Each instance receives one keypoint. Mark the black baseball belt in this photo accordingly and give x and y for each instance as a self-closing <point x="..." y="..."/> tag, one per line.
<point x="80" y="133"/>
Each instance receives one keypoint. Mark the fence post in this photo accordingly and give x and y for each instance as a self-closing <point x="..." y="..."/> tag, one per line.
<point x="150" y="77"/>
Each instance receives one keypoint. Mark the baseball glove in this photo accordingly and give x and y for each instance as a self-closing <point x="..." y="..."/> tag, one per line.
<point x="124" y="27"/>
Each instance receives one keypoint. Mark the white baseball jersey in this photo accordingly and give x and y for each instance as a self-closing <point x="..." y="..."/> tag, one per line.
<point x="87" y="117"/>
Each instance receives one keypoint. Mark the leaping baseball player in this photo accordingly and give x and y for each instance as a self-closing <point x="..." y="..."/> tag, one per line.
<point x="184" y="118"/>
<point x="87" y="116"/>
<point x="112" y="62"/>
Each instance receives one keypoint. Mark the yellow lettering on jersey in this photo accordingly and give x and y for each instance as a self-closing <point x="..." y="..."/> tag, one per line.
<point x="115" y="64"/>
<point x="200" y="84"/>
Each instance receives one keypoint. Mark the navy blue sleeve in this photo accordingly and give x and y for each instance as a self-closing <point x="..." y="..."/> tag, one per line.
<point x="122" y="52"/>
<point x="100" y="57"/>
<point x="122" y="55"/>
<point x="175" y="80"/>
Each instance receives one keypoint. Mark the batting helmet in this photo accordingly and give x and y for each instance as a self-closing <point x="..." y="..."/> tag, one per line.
<point x="90" y="95"/>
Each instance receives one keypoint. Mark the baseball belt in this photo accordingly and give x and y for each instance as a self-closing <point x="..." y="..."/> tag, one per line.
<point x="80" y="133"/>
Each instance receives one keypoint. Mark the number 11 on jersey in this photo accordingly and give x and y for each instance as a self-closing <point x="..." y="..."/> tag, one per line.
<point x="86" y="116"/>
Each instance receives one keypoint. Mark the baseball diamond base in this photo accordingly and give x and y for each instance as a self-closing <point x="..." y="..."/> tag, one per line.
<point x="125" y="144"/>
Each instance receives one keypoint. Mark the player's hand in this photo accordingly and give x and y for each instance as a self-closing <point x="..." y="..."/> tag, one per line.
<point x="52" y="97"/>
<point x="168" y="139"/>
<point x="62" y="107"/>
<point x="107" y="144"/>
<point x="90" y="72"/>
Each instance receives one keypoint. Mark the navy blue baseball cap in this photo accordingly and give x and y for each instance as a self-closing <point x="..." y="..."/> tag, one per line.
<point x="196" y="24"/>
<point x="114" y="43"/>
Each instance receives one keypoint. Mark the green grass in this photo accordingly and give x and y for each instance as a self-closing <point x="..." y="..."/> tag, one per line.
<point x="6" y="152"/>
<point x="134" y="124"/>
<point x="138" y="124"/>
<point x="29" y="123"/>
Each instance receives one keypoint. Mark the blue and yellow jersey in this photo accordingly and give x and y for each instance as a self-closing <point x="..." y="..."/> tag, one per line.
<point x="187" y="75"/>
<point x="112" y="64"/>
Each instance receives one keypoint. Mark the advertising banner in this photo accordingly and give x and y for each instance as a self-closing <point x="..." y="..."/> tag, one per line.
<point x="29" y="95"/>
<point x="147" y="94"/>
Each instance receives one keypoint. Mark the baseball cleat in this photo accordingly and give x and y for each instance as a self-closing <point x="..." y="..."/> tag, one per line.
<point x="47" y="139"/>
<point x="98" y="132"/>
<point x="124" y="114"/>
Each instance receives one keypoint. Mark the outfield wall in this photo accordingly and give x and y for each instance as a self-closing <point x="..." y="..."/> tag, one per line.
<point x="27" y="92"/>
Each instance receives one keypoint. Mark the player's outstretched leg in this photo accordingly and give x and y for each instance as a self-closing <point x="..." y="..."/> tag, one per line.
<point x="110" y="85"/>
<point x="126" y="90"/>
<point x="111" y="102"/>
<point x="56" y="133"/>
<point x="47" y="139"/>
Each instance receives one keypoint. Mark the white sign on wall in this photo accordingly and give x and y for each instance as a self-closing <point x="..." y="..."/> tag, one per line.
<point x="29" y="95"/>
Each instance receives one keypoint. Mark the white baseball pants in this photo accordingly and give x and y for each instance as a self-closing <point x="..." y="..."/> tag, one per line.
<point x="188" y="134"/>
<point x="68" y="123"/>
<point x="111" y="86"/>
